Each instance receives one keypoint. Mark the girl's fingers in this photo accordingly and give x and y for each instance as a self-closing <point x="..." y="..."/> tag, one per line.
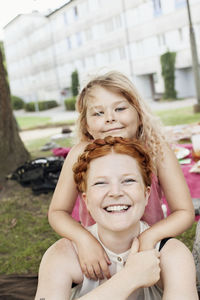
<point x="91" y="272"/>
<point x="98" y="271"/>
<point x="105" y="269"/>
<point x="85" y="271"/>
<point x="107" y="258"/>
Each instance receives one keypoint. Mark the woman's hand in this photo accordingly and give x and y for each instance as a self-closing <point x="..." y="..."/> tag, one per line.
<point x="93" y="258"/>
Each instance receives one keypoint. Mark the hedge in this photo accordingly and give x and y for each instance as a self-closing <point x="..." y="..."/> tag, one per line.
<point x="17" y="102"/>
<point x="70" y="103"/>
<point x="42" y="105"/>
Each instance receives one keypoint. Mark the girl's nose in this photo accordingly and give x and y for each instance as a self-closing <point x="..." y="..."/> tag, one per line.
<point x="110" y="116"/>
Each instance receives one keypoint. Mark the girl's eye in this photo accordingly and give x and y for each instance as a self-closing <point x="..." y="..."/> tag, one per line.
<point x="120" y="108"/>
<point x="129" y="180"/>
<point x="98" y="113"/>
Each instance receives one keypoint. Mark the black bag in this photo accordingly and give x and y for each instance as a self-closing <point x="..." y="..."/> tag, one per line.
<point x="41" y="173"/>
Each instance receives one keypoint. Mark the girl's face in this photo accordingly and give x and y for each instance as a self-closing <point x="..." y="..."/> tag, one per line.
<point x="116" y="195"/>
<point x="110" y="114"/>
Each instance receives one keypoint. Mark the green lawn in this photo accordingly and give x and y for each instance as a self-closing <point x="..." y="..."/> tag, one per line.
<point x="31" y="122"/>
<point x="179" y="116"/>
<point x="27" y="122"/>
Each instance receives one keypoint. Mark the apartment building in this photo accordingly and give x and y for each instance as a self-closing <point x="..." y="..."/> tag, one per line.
<point x="94" y="36"/>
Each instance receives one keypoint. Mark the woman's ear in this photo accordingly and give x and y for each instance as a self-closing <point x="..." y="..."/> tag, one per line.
<point x="147" y="194"/>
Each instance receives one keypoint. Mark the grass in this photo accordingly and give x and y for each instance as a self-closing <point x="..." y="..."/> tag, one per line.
<point x="25" y="233"/>
<point x="27" y="122"/>
<point x="33" y="122"/>
<point x="34" y="146"/>
<point x="178" y="116"/>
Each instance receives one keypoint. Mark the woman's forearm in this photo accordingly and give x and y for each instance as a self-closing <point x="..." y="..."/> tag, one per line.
<point x="119" y="287"/>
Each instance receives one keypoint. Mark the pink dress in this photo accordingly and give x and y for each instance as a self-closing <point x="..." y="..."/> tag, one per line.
<point x="153" y="211"/>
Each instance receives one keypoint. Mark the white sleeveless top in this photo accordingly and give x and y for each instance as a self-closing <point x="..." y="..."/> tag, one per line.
<point x="117" y="263"/>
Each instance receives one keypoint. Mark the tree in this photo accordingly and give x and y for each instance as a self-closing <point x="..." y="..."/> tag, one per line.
<point x="12" y="150"/>
<point x="75" y="83"/>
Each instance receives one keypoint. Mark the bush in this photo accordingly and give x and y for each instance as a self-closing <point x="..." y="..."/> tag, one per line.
<point x="168" y="60"/>
<point x="74" y="83"/>
<point x="30" y="106"/>
<point x="17" y="102"/>
<point x="70" y="103"/>
<point x="42" y="105"/>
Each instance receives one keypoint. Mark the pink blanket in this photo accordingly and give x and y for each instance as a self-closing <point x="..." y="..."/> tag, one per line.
<point x="192" y="179"/>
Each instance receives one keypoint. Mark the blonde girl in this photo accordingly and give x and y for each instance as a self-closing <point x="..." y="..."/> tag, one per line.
<point x="109" y="105"/>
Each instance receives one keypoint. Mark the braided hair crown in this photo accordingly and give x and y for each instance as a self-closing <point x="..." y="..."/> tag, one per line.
<point x="119" y="145"/>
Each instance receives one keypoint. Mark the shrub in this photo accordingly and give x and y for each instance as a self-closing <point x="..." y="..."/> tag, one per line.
<point x="70" y="103"/>
<point x="74" y="83"/>
<point x="30" y="106"/>
<point x="17" y="102"/>
<point x="42" y="105"/>
<point x="168" y="72"/>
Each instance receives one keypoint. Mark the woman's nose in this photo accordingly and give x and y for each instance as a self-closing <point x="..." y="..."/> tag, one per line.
<point x="115" y="191"/>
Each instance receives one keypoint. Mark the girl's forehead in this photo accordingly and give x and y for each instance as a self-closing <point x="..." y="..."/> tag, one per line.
<point x="99" y="95"/>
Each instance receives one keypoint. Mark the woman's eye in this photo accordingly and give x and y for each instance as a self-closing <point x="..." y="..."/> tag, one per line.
<point x="129" y="180"/>
<point x="120" y="108"/>
<point x="99" y="183"/>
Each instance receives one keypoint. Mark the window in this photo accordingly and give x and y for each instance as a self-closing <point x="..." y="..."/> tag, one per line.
<point x="118" y="21"/>
<point x="75" y="10"/>
<point x="109" y="25"/>
<point x="88" y="34"/>
<point x="69" y="45"/>
<point x="161" y="40"/>
<point x="180" y="32"/>
<point x="122" y="53"/>
<point x="157" y="7"/>
<point x="78" y="39"/>
<point x="180" y="3"/>
<point x="65" y="18"/>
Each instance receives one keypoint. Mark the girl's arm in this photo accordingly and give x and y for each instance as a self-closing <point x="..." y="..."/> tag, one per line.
<point x="61" y="221"/>
<point x="141" y="270"/>
<point x="176" y="191"/>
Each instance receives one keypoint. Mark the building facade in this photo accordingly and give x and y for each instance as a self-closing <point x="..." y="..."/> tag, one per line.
<point x="94" y="36"/>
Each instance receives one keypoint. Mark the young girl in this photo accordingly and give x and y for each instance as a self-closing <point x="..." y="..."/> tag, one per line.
<point x="114" y="177"/>
<point x="110" y="106"/>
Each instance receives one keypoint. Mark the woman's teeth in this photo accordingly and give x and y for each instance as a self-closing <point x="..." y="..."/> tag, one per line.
<point x="116" y="208"/>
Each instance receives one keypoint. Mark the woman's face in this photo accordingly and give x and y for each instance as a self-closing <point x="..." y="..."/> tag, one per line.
<point x="116" y="195"/>
<point x="110" y="114"/>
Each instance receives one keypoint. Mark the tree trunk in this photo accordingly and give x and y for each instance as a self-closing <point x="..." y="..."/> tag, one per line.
<point x="12" y="150"/>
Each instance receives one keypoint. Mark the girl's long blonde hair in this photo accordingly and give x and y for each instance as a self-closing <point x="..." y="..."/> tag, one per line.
<point x="150" y="128"/>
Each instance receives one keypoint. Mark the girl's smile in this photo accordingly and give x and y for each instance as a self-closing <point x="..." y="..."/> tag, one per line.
<point x="109" y="113"/>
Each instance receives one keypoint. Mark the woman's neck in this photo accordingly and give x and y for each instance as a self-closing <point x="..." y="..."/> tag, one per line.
<point x="118" y="241"/>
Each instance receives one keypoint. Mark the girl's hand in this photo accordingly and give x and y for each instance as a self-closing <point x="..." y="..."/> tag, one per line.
<point x="146" y="240"/>
<point x="143" y="266"/>
<point x="93" y="259"/>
